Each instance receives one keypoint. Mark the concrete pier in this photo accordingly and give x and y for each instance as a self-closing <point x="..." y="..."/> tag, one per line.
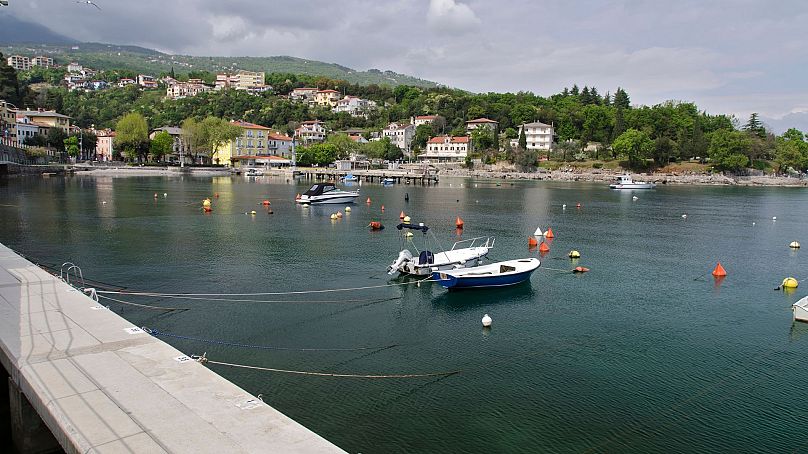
<point x="98" y="384"/>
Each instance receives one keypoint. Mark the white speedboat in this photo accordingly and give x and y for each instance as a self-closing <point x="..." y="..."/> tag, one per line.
<point x="800" y="309"/>
<point x="625" y="182"/>
<point x="466" y="253"/>
<point x="325" y="193"/>
<point x="253" y="172"/>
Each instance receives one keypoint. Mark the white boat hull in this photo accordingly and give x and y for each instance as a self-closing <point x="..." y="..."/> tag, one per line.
<point x="632" y="185"/>
<point x="329" y="199"/>
<point x="800" y="309"/>
<point x="443" y="261"/>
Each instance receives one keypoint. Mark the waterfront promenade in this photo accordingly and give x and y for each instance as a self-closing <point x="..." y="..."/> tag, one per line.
<point x="99" y="384"/>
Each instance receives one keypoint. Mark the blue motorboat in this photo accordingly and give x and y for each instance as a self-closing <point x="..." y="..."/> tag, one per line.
<point x="499" y="274"/>
<point x="350" y="178"/>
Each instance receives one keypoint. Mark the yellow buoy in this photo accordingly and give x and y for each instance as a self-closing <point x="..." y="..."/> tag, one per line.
<point x="333" y="215"/>
<point x="406" y="219"/>
<point x="408" y="235"/>
<point x="206" y="203"/>
<point x="347" y="209"/>
<point x="790" y="282"/>
<point x="252" y="212"/>
<point x="575" y="255"/>
<point x="794" y="245"/>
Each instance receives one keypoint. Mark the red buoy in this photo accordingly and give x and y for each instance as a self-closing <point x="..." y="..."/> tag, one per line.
<point x="375" y="225"/>
<point x="459" y="223"/>
<point x="580" y="269"/>
<point x="265" y="203"/>
<point x="382" y="207"/>
<point x="368" y="201"/>
<point x="543" y="247"/>
<point x="549" y="233"/>
<point x="532" y="241"/>
<point x="719" y="270"/>
<point x="401" y="216"/>
<point x="578" y="205"/>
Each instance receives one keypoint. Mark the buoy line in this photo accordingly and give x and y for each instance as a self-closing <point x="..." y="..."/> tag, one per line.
<point x="301" y="292"/>
<point x="145" y="306"/>
<point x="204" y="360"/>
<point x="155" y="332"/>
<point x="247" y="300"/>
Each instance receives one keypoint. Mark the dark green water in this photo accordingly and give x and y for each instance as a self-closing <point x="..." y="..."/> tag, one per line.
<point x="645" y="353"/>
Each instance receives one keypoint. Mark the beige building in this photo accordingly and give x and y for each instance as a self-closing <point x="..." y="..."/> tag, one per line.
<point x="47" y="118"/>
<point x="8" y="123"/>
<point x="446" y="149"/>
<point x="327" y="98"/>
<point x="481" y="123"/>
<point x="250" y="81"/>
<point x="185" y="89"/>
<point x="19" y="62"/>
<point x="104" y="145"/>
<point x="423" y="120"/>
<point x="42" y="61"/>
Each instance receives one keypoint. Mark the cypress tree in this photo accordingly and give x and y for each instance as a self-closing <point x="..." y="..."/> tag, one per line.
<point x="522" y="138"/>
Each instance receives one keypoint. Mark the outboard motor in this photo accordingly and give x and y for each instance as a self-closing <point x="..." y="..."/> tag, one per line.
<point x="403" y="257"/>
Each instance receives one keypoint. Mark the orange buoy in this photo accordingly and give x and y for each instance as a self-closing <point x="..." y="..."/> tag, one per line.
<point x="401" y="216"/>
<point x="532" y="241"/>
<point x="375" y="225"/>
<point x="580" y="269"/>
<point x="297" y="197"/>
<point x="207" y="209"/>
<point x="459" y="223"/>
<point x="265" y="202"/>
<point x="549" y="233"/>
<point x="543" y="247"/>
<point x="368" y="201"/>
<point x="719" y="270"/>
<point x="382" y="207"/>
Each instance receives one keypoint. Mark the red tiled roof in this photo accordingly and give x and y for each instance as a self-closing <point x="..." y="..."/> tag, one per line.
<point x="263" y="156"/>
<point x="279" y="137"/>
<point x="426" y="117"/>
<point x="327" y="91"/>
<point x="482" y="120"/>
<point x="441" y="139"/>
<point x="248" y="125"/>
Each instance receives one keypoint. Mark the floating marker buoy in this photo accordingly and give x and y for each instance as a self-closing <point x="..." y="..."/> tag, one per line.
<point x="402" y="215"/>
<point x="634" y="198"/>
<point x="774" y="218"/>
<point x="368" y="201"/>
<point x="459" y="223"/>
<point x="684" y="216"/>
<point x="382" y="207"/>
<point x="574" y="254"/>
<point x="347" y="209"/>
<point x="753" y="224"/>
<point x="339" y="214"/>
<point x="207" y="209"/>
<point x="543" y="247"/>
<point x="564" y="207"/>
<point x="486" y="320"/>
<point x="155" y="195"/>
<point x="580" y="269"/>
<point x="549" y="233"/>
<point x="206" y="203"/>
<point x="165" y="194"/>
<point x="794" y="245"/>
<point x="538" y="232"/>
<point x="790" y="282"/>
<point x="719" y="270"/>
<point x="265" y="202"/>
<point x="406" y="219"/>
<point x="578" y="205"/>
<point x="104" y="202"/>
<point x="333" y="216"/>
<point x="375" y="225"/>
<point x="252" y="212"/>
<point x="270" y="211"/>
<point x="532" y="241"/>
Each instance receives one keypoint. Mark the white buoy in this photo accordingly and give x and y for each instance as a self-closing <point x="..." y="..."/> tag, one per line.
<point x="165" y="194"/>
<point x="564" y="207"/>
<point x="486" y="320"/>
<point x="684" y="216"/>
<point x="753" y="224"/>
<point x="634" y="198"/>
<point x="774" y="218"/>
<point x="538" y="232"/>
<point x="794" y="245"/>
<point x="347" y="209"/>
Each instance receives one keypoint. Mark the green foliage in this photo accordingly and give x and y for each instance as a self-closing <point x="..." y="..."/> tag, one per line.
<point x="664" y="150"/>
<point x="207" y="136"/>
<point x="569" y="148"/>
<point x="634" y="145"/>
<point x="483" y="139"/>
<point x="422" y="135"/>
<point x="522" y="139"/>
<point x="56" y="138"/>
<point x="791" y="151"/>
<point x="9" y="85"/>
<point x="71" y="145"/>
<point x="728" y="150"/>
<point x="321" y="154"/>
<point x="754" y="126"/>
<point x="37" y="74"/>
<point x="345" y="145"/>
<point x="161" y="145"/>
<point x="132" y="136"/>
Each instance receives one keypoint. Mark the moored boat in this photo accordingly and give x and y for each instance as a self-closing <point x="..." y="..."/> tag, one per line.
<point x="800" y="310"/>
<point x="626" y="182"/>
<point x="253" y="172"/>
<point x="350" y="178"/>
<point x="462" y="254"/>
<point x="326" y="193"/>
<point x="499" y="274"/>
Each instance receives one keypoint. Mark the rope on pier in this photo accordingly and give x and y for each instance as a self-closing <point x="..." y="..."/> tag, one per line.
<point x="302" y="292"/>
<point x="144" y="306"/>
<point x="155" y="332"/>
<point x="204" y="359"/>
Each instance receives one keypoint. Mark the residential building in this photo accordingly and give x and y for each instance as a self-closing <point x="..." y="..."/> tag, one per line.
<point x="27" y="128"/>
<point x="423" y="120"/>
<point x="327" y="98"/>
<point x="124" y="82"/>
<point x="359" y="139"/>
<point x="96" y="85"/>
<point x="400" y="135"/>
<point x="42" y="61"/>
<point x="180" y="149"/>
<point x="481" y="122"/>
<point x="104" y="145"/>
<point x="74" y="81"/>
<point x="169" y="81"/>
<point x="446" y="149"/>
<point x="8" y="122"/>
<point x="354" y="105"/>
<point x="279" y="145"/>
<point x="185" y="89"/>
<point x="47" y="118"/>
<point x="250" y="81"/>
<point x="311" y="131"/>
<point x="538" y="135"/>
<point x="256" y="141"/>
<point x="19" y="62"/>
<point x="303" y="94"/>
<point x="74" y="67"/>
<point x="146" y="81"/>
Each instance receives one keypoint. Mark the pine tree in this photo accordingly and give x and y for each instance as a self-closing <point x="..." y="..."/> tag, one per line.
<point x="593" y="93"/>
<point x="9" y="85"/>
<point x="621" y="99"/>
<point x="619" y="123"/>
<point x="755" y="127"/>
<point x="607" y="99"/>
<point x="173" y="76"/>
<point x="585" y="97"/>
<point x="566" y="92"/>
<point x="575" y="91"/>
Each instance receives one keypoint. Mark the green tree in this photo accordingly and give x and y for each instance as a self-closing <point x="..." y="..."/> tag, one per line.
<point x="791" y="150"/>
<point x="56" y="138"/>
<point x="635" y="145"/>
<point x="132" y="136"/>
<point x="754" y="126"/>
<point x="161" y="145"/>
<point x="9" y="84"/>
<point x="345" y="145"/>
<point x="422" y="135"/>
<point x="621" y="99"/>
<point x="482" y="138"/>
<point x="664" y="150"/>
<point x="525" y="159"/>
<point x="71" y="145"/>
<point x="522" y="138"/>
<point x="728" y="149"/>
<point x="569" y="148"/>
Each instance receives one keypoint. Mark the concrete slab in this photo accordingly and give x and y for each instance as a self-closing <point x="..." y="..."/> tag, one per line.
<point x="102" y="385"/>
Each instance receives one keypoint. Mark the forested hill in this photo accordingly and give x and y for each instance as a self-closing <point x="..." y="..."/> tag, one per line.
<point x="141" y="60"/>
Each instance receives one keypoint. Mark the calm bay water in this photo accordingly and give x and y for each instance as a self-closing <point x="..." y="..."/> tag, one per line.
<point x="645" y="353"/>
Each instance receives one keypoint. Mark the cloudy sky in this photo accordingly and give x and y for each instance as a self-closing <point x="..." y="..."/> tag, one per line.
<point x="728" y="56"/>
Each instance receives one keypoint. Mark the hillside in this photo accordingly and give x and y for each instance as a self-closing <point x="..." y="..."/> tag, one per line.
<point x="13" y="30"/>
<point x="111" y="56"/>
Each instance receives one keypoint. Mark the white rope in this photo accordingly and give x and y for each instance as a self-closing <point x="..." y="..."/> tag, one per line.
<point x="303" y="292"/>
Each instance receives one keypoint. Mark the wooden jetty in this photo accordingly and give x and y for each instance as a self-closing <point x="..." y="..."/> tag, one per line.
<point x="407" y="176"/>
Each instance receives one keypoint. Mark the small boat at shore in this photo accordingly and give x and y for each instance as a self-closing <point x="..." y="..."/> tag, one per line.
<point x="499" y="274"/>
<point x="326" y="193"/>
<point x="800" y="310"/>
<point x="388" y="182"/>
<point x="350" y="178"/>
<point x="253" y="172"/>
<point x="626" y="182"/>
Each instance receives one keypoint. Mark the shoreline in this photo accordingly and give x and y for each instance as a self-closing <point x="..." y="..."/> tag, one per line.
<point x="566" y="175"/>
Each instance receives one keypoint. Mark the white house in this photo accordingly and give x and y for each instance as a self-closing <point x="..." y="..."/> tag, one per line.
<point x="538" y="136"/>
<point x="481" y="123"/>
<point x="446" y="148"/>
<point x="303" y="93"/>
<point x="184" y="89"/>
<point x="354" y="105"/>
<point x="311" y="131"/>
<point x="124" y="82"/>
<point x="74" y="67"/>
<point x="400" y="135"/>
<point x="19" y="62"/>
<point x="423" y="120"/>
<point x="279" y="144"/>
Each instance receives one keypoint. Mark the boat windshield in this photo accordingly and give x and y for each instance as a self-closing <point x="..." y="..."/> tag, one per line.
<point x="319" y="189"/>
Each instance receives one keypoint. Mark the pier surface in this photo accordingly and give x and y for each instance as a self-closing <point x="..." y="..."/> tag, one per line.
<point x="101" y="385"/>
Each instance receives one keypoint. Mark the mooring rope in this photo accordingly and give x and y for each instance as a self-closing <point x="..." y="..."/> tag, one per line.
<point x="204" y="360"/>
<point x="145" y="306"/>
<point x="155" y="332"/>
<point x="246" y="300"/>
<point x="301" y="292"/>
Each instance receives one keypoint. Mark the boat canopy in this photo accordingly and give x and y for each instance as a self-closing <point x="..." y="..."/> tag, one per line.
<point x="420" y="227"/>
<point x="319" y="189"/>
